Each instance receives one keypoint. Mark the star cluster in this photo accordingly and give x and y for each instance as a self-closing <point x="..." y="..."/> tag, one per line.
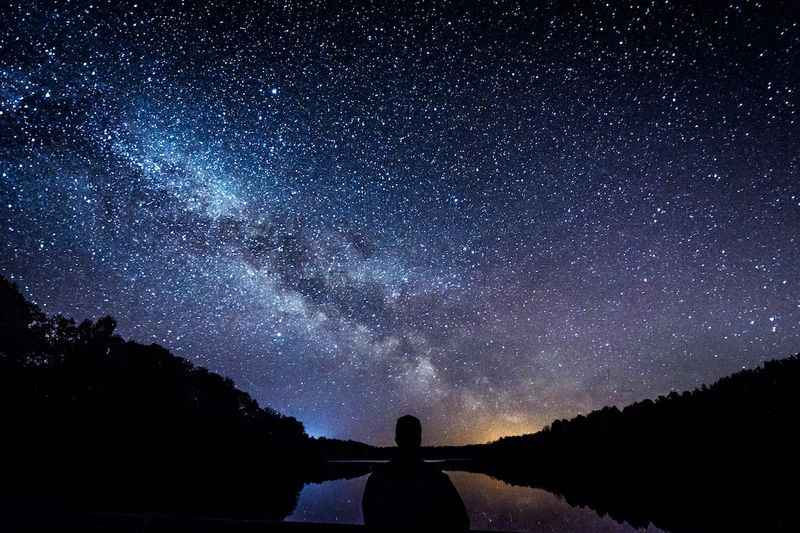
<point x="489" y="215"/>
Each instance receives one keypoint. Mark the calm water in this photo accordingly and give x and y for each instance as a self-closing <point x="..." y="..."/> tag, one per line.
<point x="491" y="504"/>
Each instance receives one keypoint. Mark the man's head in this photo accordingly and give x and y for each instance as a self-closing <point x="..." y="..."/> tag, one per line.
<point x="408" y="433"/>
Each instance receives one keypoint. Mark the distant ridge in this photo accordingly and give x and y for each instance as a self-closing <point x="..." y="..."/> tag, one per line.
<point x="771" y="384"/>
<point x="718" y="458"/>
<point x="92" y="422"/>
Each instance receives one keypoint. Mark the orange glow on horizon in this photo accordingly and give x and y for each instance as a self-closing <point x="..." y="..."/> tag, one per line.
<point x="497" y="433"/>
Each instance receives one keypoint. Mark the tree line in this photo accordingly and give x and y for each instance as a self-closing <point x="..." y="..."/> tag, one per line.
<point x="716" y="458"/>
<point x="90" y="420"/>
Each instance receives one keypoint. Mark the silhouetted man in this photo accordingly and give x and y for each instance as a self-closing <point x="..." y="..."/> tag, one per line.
<point x="408" y="493"/>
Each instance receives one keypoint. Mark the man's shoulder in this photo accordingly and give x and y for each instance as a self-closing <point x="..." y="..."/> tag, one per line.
<point x="395" y="467"/>
<point x="381" y="471"/>
<point x="379" y="468"/>
<point x="432" y="469"/>
<point x="412" y="468"/>
<point x="436" y="473"/>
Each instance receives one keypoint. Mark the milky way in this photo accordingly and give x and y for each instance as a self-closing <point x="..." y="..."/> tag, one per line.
<point x="490" y="216"/>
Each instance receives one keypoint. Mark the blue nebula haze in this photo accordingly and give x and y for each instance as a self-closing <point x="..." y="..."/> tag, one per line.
<point x="490" y="216"/>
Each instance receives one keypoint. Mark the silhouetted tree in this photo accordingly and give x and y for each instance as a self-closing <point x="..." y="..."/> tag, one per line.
<point x="716" y="458"/>
<point x="92" y="421"/>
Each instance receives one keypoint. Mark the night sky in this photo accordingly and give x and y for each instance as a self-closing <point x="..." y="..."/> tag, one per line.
<point x="488" y="215"/>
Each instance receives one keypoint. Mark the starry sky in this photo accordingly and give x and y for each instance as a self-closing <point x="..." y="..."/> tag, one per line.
<point x="489" y="215"/>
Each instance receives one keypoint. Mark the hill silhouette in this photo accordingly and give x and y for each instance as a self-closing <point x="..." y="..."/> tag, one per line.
<point x="92" y="421"/>
<point x="721" y="457"/>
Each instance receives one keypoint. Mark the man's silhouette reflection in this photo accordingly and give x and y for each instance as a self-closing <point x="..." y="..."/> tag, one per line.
<point x="408" y="493"/>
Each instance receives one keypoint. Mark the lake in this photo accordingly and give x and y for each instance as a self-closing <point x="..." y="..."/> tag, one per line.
<point x="491" y="504"/>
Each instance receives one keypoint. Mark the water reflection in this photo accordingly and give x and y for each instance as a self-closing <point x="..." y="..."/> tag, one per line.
<point x="491" y="504"/>
<point x="337" y="501"/>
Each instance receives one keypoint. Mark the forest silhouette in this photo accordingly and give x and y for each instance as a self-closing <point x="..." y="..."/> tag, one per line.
<point x="91" y="421"/>
<point x="94" y="422"/>
<point x="718" y="458"/>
